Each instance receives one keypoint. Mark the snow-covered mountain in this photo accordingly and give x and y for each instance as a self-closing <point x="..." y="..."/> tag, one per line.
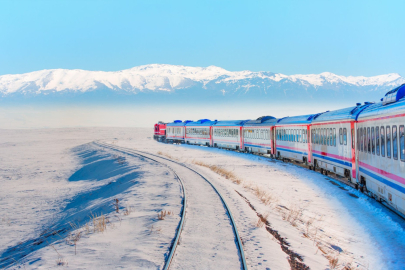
<point x="169" y="78"/>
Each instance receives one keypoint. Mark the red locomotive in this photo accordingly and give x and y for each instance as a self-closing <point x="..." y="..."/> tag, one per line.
<point x="160" y="132"/>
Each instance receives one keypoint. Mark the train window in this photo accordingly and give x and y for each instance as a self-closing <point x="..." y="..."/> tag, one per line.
<point x="295" y="135"/>
<point x="322" y="136"/>
<point x="358" y="139"/>
<point x="317" y="135"/>
<point x="361" y="139"/>
<point x="340" y="136"/>
<point x="394" y="143"/>
<point x="388" y="132"/>
<point x="345" y="136"/>
<point x="327" y="137"/>
<point x="372" y="141"/>
<point x="401" y="143"/>
<point x="382" y="136"/>
<point x="352" y="136"/>
<point x="334" y="137"/>
<point x="368" y="140"/>
<point x="314" y="136"/>
<point x="330" y="140"/>
<point x="377" y="141"/>
<point x="365" y="139"/>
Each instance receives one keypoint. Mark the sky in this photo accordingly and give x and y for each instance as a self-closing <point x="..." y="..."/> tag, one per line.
<point x="291" y="37"/>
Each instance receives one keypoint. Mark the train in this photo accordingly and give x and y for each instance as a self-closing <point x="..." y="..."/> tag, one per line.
<point x="363" y="145"/>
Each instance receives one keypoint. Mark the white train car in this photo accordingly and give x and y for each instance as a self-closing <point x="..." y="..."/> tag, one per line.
<point x="175" y="132"/>
<point x="333" y="141"/>
<point x="292" y="138"/>
<point x="228" y="134"/>
<point x="257" y="135"/>
<point x="381" y="147"/>
<point x="199" y="132"/>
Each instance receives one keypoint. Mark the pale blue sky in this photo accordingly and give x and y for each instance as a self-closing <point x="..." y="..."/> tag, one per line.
<point x="343" y="37"/>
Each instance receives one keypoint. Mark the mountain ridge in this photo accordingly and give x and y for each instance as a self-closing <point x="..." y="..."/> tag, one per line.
<point x="163" y="77"/>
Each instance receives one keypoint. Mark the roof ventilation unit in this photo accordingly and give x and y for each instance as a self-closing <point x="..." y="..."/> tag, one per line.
<point x="178" y="121"/>
<point x="394" y="95"/>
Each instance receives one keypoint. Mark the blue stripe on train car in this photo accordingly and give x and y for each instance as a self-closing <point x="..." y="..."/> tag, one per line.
<point x="292" y="151"/>
<point x="333" y="160"/>
<point x="383" y="180"/>
<point x="259" y="146"/>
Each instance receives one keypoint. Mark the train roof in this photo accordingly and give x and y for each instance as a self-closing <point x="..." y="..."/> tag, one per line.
<point x="202" y="122"/>
<point x="350" y="113"/>
<point x="262" y="121"/>
<point x="393" y="102"/>
<point x="231" y="123"/>
<point x="379" y="109"/>
<point x="179" y="123"/>
<point x="296" y="120"/>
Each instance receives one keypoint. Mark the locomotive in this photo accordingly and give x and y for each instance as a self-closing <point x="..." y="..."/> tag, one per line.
<point x="364" y="144"/>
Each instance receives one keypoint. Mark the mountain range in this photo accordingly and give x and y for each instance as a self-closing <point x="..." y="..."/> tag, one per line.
<point x="188" y="82"/>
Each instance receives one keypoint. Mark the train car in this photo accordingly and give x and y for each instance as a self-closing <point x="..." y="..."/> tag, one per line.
<point x="258" y="135"/>
<point x="200" y="132"/>
<point x="175" y="132"/>
<point x="381" y="148"/>
<point x="292" y="138"/>
<point x="228" y="134"/>
<point x="160" y="132"/>
<point x="333" y="141"/>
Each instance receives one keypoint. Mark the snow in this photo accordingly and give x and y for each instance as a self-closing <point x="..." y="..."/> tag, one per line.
<point x="161" y="77"/>
<point x="50" y="177"/>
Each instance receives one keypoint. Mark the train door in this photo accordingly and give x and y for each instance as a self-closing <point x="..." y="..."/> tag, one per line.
<point x="273" y="140"/>
<point x="211" y="135"/>
<point x="309" y="140"/>
<point x="353" y="144"/>
<point x="241" y="142"/>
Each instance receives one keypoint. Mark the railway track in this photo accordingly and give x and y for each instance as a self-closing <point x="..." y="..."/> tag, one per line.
<point x="196" y="244"/>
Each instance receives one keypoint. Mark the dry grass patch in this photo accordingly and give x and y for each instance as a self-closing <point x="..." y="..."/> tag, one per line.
<point x="333" y="261"/>
<point x="99" y="222"/>
<point x="221" y="171"/>
<point x="128" y="210"/>
<point x="162" y="214"/>
<point x="167" y="155"/>
<point x="292" y="215"/>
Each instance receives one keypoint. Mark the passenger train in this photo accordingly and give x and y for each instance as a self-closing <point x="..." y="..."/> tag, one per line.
<point x="364" y="144"/>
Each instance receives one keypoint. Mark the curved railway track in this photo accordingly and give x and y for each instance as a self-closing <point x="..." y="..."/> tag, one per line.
<point x="176" y="242"/>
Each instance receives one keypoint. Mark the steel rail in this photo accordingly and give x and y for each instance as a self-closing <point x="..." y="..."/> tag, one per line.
<point x="180" y="227"/>
<point x="240" y="246"/>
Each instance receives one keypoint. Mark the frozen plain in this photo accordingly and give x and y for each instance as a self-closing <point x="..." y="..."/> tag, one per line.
<point x="54" y="178"/>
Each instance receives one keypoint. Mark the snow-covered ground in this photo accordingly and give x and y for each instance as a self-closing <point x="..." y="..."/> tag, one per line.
<point x="53" y="180"/>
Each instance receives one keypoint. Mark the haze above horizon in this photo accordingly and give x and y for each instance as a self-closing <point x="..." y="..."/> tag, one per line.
<point x="289" y="37"/>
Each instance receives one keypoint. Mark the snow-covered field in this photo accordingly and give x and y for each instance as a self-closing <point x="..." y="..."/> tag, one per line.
<point x="54" y="181"/>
